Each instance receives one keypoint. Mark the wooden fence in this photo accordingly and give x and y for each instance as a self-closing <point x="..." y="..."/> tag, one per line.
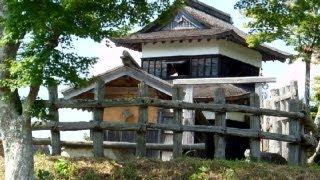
<point x="297" y="138"/>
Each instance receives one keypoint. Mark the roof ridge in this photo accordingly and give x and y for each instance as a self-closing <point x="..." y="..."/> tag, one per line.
<point x="210" y="10"/>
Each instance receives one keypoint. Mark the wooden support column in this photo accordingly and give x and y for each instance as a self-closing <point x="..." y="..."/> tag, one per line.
<point x="255" y="125"/>
<point x="141" y="149"/>
<point x="294" y="129"/>
<point x="220" y="120"/>
<point x="177" y="94"/>
<point x="54" y="116"/>
<point x="97" y="133"/>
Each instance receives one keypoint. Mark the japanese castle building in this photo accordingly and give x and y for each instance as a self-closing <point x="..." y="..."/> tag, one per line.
<point x="200" y="41"/>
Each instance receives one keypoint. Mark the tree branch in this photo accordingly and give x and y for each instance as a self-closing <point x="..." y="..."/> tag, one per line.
<point x="33" y="93"/>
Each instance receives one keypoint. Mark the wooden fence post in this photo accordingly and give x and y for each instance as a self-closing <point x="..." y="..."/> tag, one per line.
<point x="220" y="120"/>
<point x="294" y="129"/>
<point x="177" y="94"/>
<point x="141" y="149"/>
<point x="255" y="125"/>
<point x="54" y="115"/>
<point x="97" y="134"/>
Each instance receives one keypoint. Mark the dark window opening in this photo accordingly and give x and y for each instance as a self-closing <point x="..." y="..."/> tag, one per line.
<point x="178" y="68"/>
<point x="234" y="68"/>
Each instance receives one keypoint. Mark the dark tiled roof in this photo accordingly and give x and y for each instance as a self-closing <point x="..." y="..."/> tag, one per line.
<point x="218" y="27"/>
<point x="206" y="91"/>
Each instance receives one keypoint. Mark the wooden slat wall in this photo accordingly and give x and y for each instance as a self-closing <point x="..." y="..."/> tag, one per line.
<point x="279" y="100"/>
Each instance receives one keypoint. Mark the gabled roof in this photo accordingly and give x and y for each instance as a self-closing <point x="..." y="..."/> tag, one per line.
<point x="135" y="73"/>
<point x="218" y="25"/>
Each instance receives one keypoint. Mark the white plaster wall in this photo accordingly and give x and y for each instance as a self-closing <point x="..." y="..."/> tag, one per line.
<point x="203" y="47"/>
<point x="179" y="49"/>
<point x="239" y="52"/>
<point x="235" y="116"/>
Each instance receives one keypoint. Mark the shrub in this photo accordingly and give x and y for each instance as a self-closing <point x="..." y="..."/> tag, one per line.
<point x="43" y="174"/>
<point x="63" y="167"/>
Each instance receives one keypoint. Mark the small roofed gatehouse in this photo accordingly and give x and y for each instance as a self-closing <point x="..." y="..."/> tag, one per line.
<point x="198" y="42"/>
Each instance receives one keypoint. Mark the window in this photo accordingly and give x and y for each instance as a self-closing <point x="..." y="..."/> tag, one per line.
<point x="182" y="66"/>
<point x="178" y="68"/>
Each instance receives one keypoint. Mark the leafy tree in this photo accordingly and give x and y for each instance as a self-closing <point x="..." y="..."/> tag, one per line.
<point x="36" y="49"/>
<point x="297" y="22"/>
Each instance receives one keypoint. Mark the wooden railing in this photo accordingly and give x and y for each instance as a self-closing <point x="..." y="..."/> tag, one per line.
<point x="298" y="122"/>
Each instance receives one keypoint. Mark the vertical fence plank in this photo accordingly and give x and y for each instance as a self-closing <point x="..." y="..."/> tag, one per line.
<point x="220" y="120"/>
<point x="188" y="116"/>
<point x="294" y="129"/>
<point x="255" y="125"/>
<point x="54" y="115"/>
<point x="141" y="149"/>
<point x="97" y="134"/>
<point x="177" y="94"/>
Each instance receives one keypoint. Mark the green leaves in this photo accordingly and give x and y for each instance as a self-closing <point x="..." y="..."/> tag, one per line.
<point x="296" y="22"/>
<point x="46" y="29"/>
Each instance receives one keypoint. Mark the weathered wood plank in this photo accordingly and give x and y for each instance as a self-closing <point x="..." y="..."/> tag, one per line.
<point x="227" y="80"/>
<point x="141" y="149"/>
<point x="168" y="104"/>
<point x="294" y="129"/>
<point x="188" y="115"/>
<point x="54" y="117"/>
<point x="70" y="126"/>
<point x="177" y="94"/>
<point x="255" y="126"/>
<point x="118" y="145"/>
<point x="97" y="134"/>
<point x="220" y="120"/>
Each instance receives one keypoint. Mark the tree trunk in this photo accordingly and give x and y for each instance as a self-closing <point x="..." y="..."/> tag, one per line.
<point x="317" y="151"/>
<point x="307" y="83"/>
<point x="17" y="144"/>
<point x="15" y="125"/>
<point x="315" y="154"/>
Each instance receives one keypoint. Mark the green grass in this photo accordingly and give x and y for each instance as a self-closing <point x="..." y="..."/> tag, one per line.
<point x="184" y="168"/>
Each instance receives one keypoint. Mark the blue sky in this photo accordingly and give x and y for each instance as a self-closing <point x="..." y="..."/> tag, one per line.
<point x="110" y="57"/>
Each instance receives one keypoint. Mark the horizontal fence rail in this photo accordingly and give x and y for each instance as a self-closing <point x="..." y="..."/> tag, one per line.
<point x="118" y="145"/>
<point x="77" y="126"/>
<point x="174" y="104"/>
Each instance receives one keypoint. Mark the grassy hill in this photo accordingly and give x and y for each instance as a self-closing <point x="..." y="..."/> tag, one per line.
<point x="184" y="168"/>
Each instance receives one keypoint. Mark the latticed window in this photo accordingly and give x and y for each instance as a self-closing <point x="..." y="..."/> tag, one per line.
<point x="180" y="22"/>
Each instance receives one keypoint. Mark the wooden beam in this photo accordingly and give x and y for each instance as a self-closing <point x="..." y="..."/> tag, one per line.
<point x="177" y="94"/>
<point x="294" y="130"/>
<point x="220" y="120"/>
<point x="255" y="126"/>
<point x="228" y="80"/>
<point x="70" y="126"/>
<point x="54" y="117"/>
<point x="168" y="104"/>
<point x="97" y="134"/>
<point x="118" y="145"/>
<point x="141" y="141"/>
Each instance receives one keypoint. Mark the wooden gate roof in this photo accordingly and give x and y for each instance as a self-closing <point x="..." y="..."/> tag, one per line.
<point x="113" y="74"/>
